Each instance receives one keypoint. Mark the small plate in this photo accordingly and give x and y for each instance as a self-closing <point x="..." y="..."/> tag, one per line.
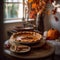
<point x="21" y="51"/>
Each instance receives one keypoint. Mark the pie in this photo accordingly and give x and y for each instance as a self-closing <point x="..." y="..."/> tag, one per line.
<point x="20" y="48"/>
<point x="26" y="37"/>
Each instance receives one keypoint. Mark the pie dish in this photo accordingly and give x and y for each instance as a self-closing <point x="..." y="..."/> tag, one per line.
<point x="25" y="37"/>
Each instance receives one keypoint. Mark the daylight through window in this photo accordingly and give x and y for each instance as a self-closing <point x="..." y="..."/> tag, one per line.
<point x="13" y="9"/>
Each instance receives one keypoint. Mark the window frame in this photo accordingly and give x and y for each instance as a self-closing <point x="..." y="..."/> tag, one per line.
<point x="13" y="20"/>
<point x="7" y="19"/>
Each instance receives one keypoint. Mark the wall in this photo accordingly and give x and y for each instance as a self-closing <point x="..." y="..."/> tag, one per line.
<point x="10" y="26"/>
<point x="50" y="22"/>
<point x="55" y="24"/>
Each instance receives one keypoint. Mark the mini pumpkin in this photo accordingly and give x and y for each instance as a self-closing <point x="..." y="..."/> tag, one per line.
<point x="52" y="34"/>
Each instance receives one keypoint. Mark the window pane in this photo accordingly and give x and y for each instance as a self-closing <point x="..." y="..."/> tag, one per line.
<point x="17" y="0"/>
<point x="13" y="0"/>
<point x="8" y="0"/>
<point x="13" y="10"/>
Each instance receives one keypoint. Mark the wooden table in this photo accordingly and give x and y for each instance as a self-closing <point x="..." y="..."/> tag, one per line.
<point x="35" y="54"/>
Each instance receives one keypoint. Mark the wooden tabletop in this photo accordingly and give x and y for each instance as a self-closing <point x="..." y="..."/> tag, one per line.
<point x="42" y="52"/>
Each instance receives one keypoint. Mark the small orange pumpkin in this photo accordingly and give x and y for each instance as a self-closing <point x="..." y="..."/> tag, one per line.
<point x="52" y="34"/>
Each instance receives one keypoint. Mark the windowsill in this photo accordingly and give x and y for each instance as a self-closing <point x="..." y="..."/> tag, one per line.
<point x="12" y="21"/>
<point x="15" y="21"/>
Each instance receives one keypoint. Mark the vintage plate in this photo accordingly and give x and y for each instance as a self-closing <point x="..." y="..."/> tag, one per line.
<point x="21" y="51"/>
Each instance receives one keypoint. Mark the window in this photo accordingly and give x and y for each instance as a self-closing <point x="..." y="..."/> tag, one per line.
<point x="14" y="9"/>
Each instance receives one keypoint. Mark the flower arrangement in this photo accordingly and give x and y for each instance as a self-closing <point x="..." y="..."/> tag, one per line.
<point x="39" y="6"/>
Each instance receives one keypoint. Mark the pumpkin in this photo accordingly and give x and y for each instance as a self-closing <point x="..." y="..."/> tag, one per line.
<point x="52" y="34"/>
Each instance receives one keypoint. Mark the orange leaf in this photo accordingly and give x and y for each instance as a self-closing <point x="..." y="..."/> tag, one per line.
<point x="48" y="12"/>
<point x="34" y="5"/>
<point x="30" y="1"/>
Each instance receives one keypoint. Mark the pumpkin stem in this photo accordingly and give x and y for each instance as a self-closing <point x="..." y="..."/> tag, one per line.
<point x="52" y="28"/>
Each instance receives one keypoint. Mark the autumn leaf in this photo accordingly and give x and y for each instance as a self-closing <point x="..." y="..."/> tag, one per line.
<point x="54" y="11"/>
<point x="30" y="1"/>
<point x="56" y="18"/>
<point x="48" y="12"/>
<point x="51" y="1"/>
<point x="34" y="5"/>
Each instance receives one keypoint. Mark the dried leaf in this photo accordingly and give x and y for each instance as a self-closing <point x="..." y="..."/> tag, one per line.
<point x="48" y="12"/>
<point x="30" y="1"/>
<point x="54" y="11"/>
<point x="34" y="5"/>
<point x="56" y="18"/>
<point x="51" y="1"/>
<point x="32" y="14"/>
